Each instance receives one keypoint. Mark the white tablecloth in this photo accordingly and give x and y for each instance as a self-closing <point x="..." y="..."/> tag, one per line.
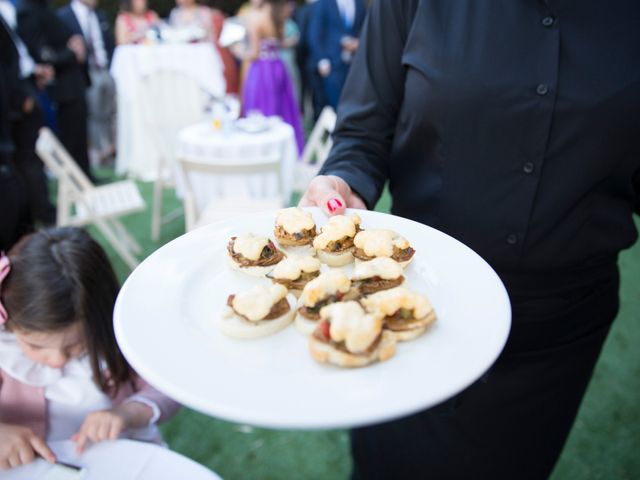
<point x="121" y="460"/>
<point x="201" y="143"/>
<point x="137" y="153"/>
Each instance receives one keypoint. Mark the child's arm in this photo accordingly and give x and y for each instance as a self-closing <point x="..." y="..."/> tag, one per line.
<point x="163" y="407"/>
<point x="145" y="407"/>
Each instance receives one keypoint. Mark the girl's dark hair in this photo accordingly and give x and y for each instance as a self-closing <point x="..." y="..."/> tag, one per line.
<point x="125" y="6"/>
<point x="278" y="16"/>
<point x="60" y="276"/>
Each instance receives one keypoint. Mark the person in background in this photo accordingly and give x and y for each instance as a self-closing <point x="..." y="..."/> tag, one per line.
<point x="245" y="14"/>
<point x="333" y="37"/>
<point x="62" y="375"/>
<point x="27" y="79"/>
<point x="133" y="22"/>
<point x="228" y="61"/>
<point x="83" y="19"/>
<point x="268" y="88"/>
<point x="188" y="13"/>
<point x="312" y="87"/>
<point x="288" y="48"/>
<point x="14" y="203"/>
<point x="50" y="41"/>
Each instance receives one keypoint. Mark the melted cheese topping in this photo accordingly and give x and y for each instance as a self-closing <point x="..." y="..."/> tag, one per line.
<point x="255" y="304"/>
<point x="351" y="325"/>
<point x="250" y="246"/>
<point x="388" y="302"/>
<point x="379" y="243"/>
<point x="294" y="220"/>
<point x="337" y="228"/>
<point x="382" y="267"/>
<point x="326" y="284"/>
<point x="291" y="268"/>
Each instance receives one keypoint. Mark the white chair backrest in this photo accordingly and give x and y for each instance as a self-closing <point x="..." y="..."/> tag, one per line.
<point x="63" y="167"/>
<point x="237" y="179"/>
<point x="170" y="101"/>
<point x="319" y="144"/>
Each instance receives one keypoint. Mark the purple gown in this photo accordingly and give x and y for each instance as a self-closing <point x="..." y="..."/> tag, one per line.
<point x="269" y="90"/>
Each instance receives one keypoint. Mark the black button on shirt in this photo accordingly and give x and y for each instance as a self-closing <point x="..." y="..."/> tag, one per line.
<point x="528" y="167"/>
<point x="439" y="102"/>
<point x="547" y="21"/>
<point x="542" y="89"/>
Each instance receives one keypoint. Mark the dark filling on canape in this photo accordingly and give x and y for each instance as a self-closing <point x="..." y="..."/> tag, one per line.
<point x="376" y="284"/>
<point x="399" y="254"/>
<point x="270" y="255"/>
<point x="297" y="239"/>
<point x="403" y="319"/>
<point x="313" y="313"/>
<point x="342" y="244"/>
<point x="298" y="283"/>
<point x="279" y="308"/>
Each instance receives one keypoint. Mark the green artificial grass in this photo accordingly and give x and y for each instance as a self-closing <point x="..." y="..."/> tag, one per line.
<point x="604" y="443"/>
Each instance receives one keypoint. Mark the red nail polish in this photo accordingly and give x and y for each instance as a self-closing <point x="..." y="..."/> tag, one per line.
<point x="333" y="205"/>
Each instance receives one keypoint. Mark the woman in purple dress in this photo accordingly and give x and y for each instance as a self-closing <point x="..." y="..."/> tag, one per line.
<point x="268" y="88"/>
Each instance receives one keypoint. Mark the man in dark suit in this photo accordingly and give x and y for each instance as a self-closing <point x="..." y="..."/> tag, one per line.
<point x="50" y="41"/>
<point x="25" y="77"/>
<point x="312" y="83"/>
<point x="14" y="208"/>
<point x="82" y="18"/>
<point x="333" y="38"/>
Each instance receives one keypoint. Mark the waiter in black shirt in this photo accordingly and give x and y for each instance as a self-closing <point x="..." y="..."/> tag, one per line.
<point x="515" y="127"/>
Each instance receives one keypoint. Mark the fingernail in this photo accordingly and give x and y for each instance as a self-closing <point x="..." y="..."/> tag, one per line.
<point x="334" y="204"/>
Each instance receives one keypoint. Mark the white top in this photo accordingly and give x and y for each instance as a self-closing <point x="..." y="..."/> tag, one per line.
<point x="70" y="392"/>
<point x="347" y="10"/>
<point x="8" y="12"/>
<point x="90" y="26"/>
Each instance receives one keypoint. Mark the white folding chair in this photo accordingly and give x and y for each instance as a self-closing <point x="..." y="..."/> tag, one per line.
<point x="81" y="203"/>
<point x="218" y="204"/>
<point x="316" y="149"/>
<point x="170" y="101"/>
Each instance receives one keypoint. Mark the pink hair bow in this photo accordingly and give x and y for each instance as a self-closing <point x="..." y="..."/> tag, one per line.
<point x="5" y="267"/>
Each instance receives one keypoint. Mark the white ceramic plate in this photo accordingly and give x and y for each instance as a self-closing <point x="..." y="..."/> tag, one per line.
<point x="167" y="311"/>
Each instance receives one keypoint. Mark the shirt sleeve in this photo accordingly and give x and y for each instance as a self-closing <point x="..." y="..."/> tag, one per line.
<point x="370" y="102"/>
<point x="162" y="406"/>
<point x="636" y="187"/>
<point x="155" y="409"/>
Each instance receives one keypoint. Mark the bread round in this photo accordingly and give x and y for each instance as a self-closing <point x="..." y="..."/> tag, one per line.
<point x="253" y="271"/>
<point x="304" y="325"/>
<point x="414" y="332"/>
<point x="299" y="250"/>
<point x="237" y="327"/>
<point x="335" y="259"/>
<point x="407" y="335"/>
<point x="404" y="264"/>
<point x="323" y="352"/>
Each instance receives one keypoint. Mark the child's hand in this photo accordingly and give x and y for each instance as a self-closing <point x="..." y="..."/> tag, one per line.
<point x="109" y="424"/>
<point x="19" y="446"/>
<point x="100" y="426"/>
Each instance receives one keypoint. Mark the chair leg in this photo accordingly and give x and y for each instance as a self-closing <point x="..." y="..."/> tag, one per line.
<point x="119" y="247"/>
<point x="156" y="209"/>
<point x="126" y="236"/>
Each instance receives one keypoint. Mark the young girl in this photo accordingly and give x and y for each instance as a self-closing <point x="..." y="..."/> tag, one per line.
<point x="62" y="375"/>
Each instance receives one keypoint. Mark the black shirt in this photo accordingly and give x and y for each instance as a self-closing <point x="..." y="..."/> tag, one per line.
<point x="512" y="125"/>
